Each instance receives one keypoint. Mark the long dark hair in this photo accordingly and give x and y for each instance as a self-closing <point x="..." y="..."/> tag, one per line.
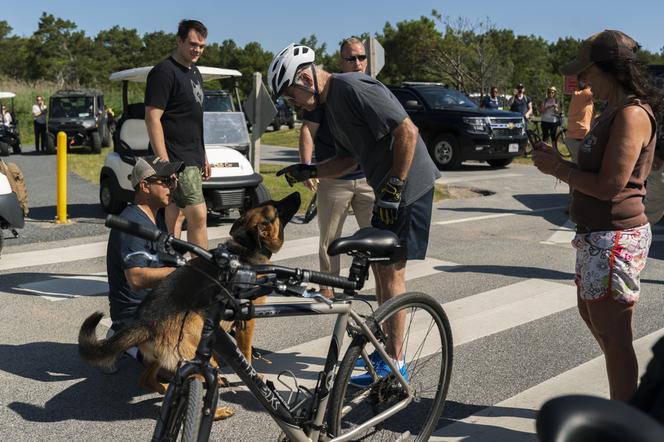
<point x="636" y="78"/>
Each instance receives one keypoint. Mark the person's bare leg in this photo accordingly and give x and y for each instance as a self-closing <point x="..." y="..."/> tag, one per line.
<point x="613" y="322"/>
<point x="585" y="315"/>
<point x="393" y="283"/>
<point x="174" y="220"/>
<point x="197" y="224"/>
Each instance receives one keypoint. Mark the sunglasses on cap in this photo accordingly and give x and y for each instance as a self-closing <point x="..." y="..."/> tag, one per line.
<point x="354" y="58"/>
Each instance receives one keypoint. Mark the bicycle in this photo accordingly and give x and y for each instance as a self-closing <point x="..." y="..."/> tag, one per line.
<point x="312" y="209"/>
<point x="536" y="133"/>
<point x="333" y="410"/>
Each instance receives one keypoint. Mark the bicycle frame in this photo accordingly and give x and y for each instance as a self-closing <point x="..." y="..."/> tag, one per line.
<point x="272" y="401"/>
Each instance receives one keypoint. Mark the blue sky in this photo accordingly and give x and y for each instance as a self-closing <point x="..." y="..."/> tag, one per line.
<point x="276" y="23"/>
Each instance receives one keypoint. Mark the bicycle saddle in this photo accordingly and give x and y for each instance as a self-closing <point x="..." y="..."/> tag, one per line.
<point x="376" y="242"/>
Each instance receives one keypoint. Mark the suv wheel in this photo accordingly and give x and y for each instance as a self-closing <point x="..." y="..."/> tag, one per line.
<point x="108" y="196"/>
<point x="276" y="126"/>
<point x="291" y="124"/>
<point x="499" y="163"/>
<point x="4" y="149"/>
<point x="106" y="139"/>
<point x="96" y="142"/>
<point x="445" y="152"/>
<point x="50" y="143"/>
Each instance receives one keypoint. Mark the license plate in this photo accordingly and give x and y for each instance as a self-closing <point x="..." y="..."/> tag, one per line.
<point x="513" y="147"/>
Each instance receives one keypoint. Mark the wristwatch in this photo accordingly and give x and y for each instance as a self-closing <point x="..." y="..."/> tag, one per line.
<point x="396" y="181"/>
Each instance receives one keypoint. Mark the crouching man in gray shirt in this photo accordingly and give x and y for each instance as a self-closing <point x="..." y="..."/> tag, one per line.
<point x="370" y="127"/>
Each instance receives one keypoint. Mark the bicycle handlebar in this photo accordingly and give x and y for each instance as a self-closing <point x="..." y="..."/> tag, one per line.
<point x="154" y="234"/>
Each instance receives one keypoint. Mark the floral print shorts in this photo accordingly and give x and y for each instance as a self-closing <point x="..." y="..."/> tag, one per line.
<point x="609" y="263"/>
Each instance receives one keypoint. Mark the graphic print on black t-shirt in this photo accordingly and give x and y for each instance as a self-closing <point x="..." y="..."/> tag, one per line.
<point x="178" y="90"/>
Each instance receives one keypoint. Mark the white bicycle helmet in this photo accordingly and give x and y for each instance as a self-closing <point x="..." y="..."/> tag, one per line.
<point x="285" y="64"/>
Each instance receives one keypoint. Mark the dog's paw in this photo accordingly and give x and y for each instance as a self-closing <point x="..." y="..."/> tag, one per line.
<point x="223" y="413"/>
<point x="223" y="382"/>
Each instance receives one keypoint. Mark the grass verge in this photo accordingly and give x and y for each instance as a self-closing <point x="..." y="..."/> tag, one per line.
<point x="287" y="138"/>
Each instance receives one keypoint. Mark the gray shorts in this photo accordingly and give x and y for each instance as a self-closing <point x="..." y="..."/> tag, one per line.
<point x="412" y="226"/>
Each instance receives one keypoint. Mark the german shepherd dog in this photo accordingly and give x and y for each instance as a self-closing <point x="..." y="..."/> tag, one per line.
<point x="168" y="323"/>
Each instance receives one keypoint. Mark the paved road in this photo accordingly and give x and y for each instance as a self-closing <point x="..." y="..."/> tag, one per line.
<point x="507" y="252"/>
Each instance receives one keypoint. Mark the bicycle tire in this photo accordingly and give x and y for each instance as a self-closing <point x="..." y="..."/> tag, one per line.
<point x="350" y="407"/>
<point x="183" y="409"/>
<point x="560" y="142"/>
<point x="193" y="410"/>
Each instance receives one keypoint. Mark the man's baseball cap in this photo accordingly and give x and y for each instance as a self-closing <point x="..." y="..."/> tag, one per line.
<point x="520" y="86"/>
<point x="604" y="46"/>
<point x="153" y="165"/>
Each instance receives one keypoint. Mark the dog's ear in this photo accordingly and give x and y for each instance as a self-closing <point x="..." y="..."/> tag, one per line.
<point x="245" y="235"/>
<point x="287" y="207"/>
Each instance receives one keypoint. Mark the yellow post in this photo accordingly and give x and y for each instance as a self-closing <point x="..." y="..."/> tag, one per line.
<point x="61" y="217"/>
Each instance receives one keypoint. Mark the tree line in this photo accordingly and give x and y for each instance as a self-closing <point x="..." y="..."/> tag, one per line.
<point x="467" y="55"/>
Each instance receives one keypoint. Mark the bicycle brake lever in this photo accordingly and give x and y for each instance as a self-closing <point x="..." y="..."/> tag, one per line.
<point x="312" y="294"/>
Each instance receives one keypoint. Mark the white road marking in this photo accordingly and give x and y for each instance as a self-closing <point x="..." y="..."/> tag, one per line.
<point x="57" y="255"/>
<point x="497" y="423"/>
<point x="59" y="288"/>
<point x="470" y="178"/>
<point x="497" y="215"/>
<point x="563" y="234"/>
<point x="471" y="318"/>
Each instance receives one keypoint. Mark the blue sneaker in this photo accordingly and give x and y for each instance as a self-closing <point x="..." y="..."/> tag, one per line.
<point x="374" y="358"/>
<point x="382" y="370"/>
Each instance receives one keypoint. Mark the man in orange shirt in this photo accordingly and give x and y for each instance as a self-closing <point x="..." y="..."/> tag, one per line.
<point x="579" y="116"/>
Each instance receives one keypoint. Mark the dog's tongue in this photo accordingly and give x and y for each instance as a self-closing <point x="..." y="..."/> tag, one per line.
<point x="288" y="207"/>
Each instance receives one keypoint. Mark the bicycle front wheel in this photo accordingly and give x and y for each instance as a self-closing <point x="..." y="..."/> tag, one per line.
<point x="184" y="419"/>
<point x="561" y="144"/>
<point x="426" y="349"/>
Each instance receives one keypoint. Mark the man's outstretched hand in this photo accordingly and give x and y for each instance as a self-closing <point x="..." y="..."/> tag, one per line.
<point x="299" y="172"/>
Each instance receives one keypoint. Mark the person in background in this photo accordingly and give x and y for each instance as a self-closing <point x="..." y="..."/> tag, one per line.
<point x="579" y="116"/>
<point x="336" y="196"/>
<point x="39" y="114"/>
<point x="491" y="101"/>
<point x="521" y="103"/>
<point x="7" y="119"/>
<point x="550" y="114"/>
<point x="612" y="231"/>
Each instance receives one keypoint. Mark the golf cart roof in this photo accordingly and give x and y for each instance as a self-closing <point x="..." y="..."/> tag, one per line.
<point x="7" y="95"/>
<point x="140" y="75"/>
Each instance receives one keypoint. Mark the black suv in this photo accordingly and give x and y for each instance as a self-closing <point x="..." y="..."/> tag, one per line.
<point x="82" y="116"/>
<point x="456" y="129"/>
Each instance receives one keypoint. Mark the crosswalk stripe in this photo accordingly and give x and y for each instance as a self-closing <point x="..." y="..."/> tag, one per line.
<point x="497" y="423"/>
<point x="562" y="235"/>
<point x="469" y="178"/>
<point x="471" y="318"/>
<point x="93" y="250"/>
<point x="497" y="215"/>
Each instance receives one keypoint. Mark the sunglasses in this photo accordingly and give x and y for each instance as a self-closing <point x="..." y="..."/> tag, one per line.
<point x="290" y="99"/>
<point x="166" y="181"/>
<point x="354" y="58"/>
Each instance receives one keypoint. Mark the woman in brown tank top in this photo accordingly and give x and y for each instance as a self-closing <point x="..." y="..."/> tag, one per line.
<point x="613" y="234"/>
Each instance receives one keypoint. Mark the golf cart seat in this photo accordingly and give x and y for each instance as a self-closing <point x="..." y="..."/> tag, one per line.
<point x="134" y="140"/>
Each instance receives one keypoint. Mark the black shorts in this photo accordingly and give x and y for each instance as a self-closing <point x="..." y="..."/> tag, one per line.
<point x="412" y="226"/>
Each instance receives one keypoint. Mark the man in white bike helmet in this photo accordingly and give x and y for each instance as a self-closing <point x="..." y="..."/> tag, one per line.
<point x="370" y="128"/>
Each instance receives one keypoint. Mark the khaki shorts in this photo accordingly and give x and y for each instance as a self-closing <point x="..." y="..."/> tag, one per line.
<point x="609" y="263"/>
<point x="189" y="191"/>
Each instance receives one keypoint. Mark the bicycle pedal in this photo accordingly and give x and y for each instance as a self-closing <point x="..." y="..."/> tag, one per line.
<point x="259" y="357"/>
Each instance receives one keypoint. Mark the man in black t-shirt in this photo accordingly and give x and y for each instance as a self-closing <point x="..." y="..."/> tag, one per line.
<point x="336" y="196"/>
<point x="174" y="118"/>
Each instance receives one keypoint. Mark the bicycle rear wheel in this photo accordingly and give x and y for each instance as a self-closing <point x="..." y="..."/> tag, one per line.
<point x="427" y="349"/>
<point x="184" y="418"/>
<point x="561" y="144"/>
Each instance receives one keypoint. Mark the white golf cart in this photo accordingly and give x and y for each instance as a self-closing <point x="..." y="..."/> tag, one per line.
<point x="233" y="184"/>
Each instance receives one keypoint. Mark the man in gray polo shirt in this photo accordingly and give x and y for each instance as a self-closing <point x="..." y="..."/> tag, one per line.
<point x="369" y="128"/>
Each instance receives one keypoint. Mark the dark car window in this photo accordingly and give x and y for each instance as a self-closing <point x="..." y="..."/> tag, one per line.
<point x="218" y="103"/>
<point x="72" y="107"/>
<point x="439" y="97"/>
<point x="404" y="96"/>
